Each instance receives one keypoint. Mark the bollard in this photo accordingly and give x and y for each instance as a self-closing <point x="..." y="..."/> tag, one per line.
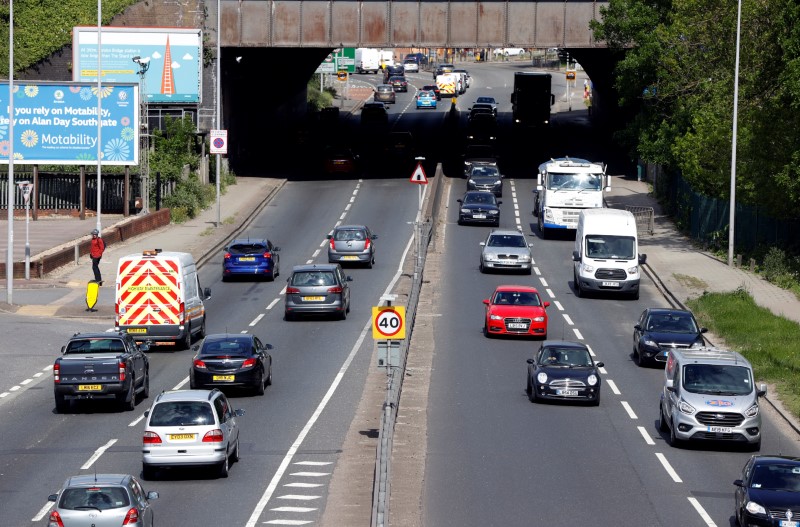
<point x="77" y="254"/>
<point x="752" y="265"/>
<point x="739" y="261"/>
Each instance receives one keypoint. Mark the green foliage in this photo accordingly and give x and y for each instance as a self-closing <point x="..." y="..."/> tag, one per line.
<point x="43" y="27"/>
<point x="771" y="343"/>
<point x="317" y="99"/>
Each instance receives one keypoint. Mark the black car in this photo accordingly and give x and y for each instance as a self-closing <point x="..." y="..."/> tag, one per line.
<point x="393" y="71"/>
<point x="486" y="178"/>
<point x="768" y="494"/>
<point x="660" y="329"/>
<point x="482" y="129"/>
<point x="374" y="114"/>
<point x="479" y="154"/>
<point x="226" y="360"/>
<point x="434" y="88"/>
<point x="398" y="82"/>
<point x="479" y="207"/>
<point x="565" y="371"/>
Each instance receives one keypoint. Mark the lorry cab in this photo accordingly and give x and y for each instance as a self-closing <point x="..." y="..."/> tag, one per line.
<point x="605" y="257"/>
<point x="159" y="298"/>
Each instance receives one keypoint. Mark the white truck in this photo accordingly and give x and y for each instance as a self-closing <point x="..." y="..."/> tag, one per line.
<point x="564" y="187"/>
<point x="367" y="60"/>
<point x="606" y="256"/>
<point x="387" y="57"/>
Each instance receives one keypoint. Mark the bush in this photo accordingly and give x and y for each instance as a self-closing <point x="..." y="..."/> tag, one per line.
<point x="776" y="265"/>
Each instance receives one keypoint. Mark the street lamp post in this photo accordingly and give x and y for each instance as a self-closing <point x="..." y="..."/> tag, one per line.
<point x="144" y="65"/>
<point x="732" y="216"/>
<point x="218" y="120"/>
<point x="99" y="117"/>
<point x="10" y="186"/>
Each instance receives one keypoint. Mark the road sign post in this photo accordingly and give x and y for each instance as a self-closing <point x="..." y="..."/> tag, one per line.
<point x="389" y="322"/>
<point x="418" y="177"/>
<point x="26" y="188"/>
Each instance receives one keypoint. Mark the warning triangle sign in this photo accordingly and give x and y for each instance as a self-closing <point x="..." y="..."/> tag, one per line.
<point x="419" y="175"/>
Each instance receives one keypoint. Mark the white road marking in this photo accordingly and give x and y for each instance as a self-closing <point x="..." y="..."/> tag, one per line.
<point x="26" y="381"/>
<point x="298" y="497"/>
<point x="671" y="471"/>
<point x="578" y="334"/>
<point x="182" y="383"/>
<point x="558" y="305"/>
<point x="628" y="409"/>
<point x="44" y="510"/>
<point x="294" y="509"/>
<point x="136" y="421"/>
<point x="97" y="453"/>
<point x="701" y="511"/>
<point x="288" y="522"/>
<point x="568" y="319"/>
<point x="314" y="463"/>
<point x="645" y="435"/>
<point x="316" y="253"/>
<point x="613" y="386"/>
<point x="543" y="281"/>
<point x="310" y="474"/>
<point x="537" y="271"/>
<point x="304" y="485"/>
<point x="272" y="304"/>
<point x="550" y="293"/>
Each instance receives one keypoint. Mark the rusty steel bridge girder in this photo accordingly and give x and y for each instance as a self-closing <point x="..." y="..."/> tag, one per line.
<point x="331" y="24"/>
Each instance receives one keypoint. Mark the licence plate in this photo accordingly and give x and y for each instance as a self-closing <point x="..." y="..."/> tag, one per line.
<point x="313" y="298"/>
<point x="517" y="325"/>
<point x="788" y="523"/>
<point x="720" y="429"/>
<point x="247" y="259"/>
<point x="479" y="216"/>
<point x="222" y="377"/>
<point x="181" y="437"/>
<point x="350" y="258"/>
<point x="137" y="330"/>
<point x="89" y="387"/>
<point x="611" y="284"/>
<point x="566" y="392"/>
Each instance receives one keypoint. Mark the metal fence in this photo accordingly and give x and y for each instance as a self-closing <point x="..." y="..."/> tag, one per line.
<point x="62" y="192"/>
<point x="645" y="218"/>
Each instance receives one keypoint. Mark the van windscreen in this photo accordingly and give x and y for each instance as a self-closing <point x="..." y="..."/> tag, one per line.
<point x="715" y="379"/>
<point x="610" y="247"/>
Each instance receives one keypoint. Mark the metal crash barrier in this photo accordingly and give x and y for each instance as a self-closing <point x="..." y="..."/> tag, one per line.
<point x="645" y="218"/>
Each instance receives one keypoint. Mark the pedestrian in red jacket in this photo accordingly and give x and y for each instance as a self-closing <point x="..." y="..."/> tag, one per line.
<point x="96" y="252"/>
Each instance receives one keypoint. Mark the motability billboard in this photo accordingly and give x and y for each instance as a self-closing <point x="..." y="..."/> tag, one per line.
<point x="56" y="123"/>
<point x="169" y="60"/>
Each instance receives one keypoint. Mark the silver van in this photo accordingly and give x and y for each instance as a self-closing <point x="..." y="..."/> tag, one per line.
<point x="709" y="395"/>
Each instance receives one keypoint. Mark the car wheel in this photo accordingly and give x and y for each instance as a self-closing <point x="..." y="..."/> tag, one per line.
<point x="62" y="404"/>
<point x="577" y="284"/>
<point x="192" y="385"/>
<point x="259" y="389"/>
<point x="288" y="316"/>
<point x="269" y="376"/>
<point x="637" y="357"/>
<point x="224" y="468"/>
<point x="224" y="278"/>
<point x="662" y="424"/>
<point x="481" y="268"/>
<point x="146" y="385"/>
<point x="673" y="438"/>
<point x="128" y="400"/>
<point x="148" y="472"/>
<point x="343" y="315"/>
<point x="754" y="447"/>
<point x="542" y="230"/>
<point x="186" y="341"/>
<point x="532" y="394"/>
<point x="635" y="295"/>
<point x="486" y="332"/>
<point x="369" y="263"/>
<point x="596" y="401"/>
<point x="202" y="333"/>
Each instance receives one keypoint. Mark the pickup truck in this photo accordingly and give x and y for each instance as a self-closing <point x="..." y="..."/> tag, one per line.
<point x="107" y="365"/>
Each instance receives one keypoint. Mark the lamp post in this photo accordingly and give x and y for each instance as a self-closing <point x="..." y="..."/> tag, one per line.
<point x="11" y="189"/>
<point x="144" y="65"/>
<point x="218" y="120"/>
<point x="732" y="216"/>
<point x="99" y="118"/>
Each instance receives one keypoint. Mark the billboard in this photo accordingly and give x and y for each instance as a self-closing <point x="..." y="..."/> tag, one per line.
<point x="171" y="58"/>
<point x="56" y="123"/>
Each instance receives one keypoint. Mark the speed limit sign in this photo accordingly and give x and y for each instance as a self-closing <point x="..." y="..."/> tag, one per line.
<point x="388" y="322"/>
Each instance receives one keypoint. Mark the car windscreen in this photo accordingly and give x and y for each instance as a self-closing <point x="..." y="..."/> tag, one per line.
<point x="517" y="298"/>
<point x="609" y="246"/>
<point x="312" y="278"/>
<point x="98" y="345"/>
<point x="506" y="240"/>
<point x="478" y="198"/>
<point x="247" y="248"/>
<point x="717" y="379"/>
<point x="345" y="235"/>
<point x="96" y="497"/>
<point x="559" y="181"/>
<point x="553" y="356"/>
<point x="182" y="413"/>
<point x="229" y="348"/>
<point x="672" y="323"/>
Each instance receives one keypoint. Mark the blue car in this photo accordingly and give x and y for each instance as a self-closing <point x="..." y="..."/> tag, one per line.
<point x="426" y="99"/>
<point x="256" y="257"/>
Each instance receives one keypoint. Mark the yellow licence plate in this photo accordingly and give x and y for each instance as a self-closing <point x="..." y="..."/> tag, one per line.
<point x="247" y="259"/>
<point x="137" y="330"/>
<point x="89" y="387"/>
<point x="222" y="377"/>
<point x="313" y="298"/>
<point x="350" y="258"/>
<point x="181" y="437"/>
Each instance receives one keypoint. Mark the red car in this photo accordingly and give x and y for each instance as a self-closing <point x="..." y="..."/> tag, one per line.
<point x="340" y="160"/>
<point x="515" y="310"/>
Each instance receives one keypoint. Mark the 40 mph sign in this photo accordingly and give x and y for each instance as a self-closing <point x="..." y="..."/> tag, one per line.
<point x="389" y="322"/>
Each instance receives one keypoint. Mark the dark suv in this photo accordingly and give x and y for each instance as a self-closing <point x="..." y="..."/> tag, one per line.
<point x="317" y="289"/>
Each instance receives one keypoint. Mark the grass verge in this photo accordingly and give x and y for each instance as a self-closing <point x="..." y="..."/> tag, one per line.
<point x="771" y="343"/>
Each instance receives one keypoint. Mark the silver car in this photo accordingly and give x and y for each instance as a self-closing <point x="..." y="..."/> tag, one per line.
<point x="317" y="289"/>
<point x="102" y="500"/>
<point x="506" y="250"/>
<point x="187" y="428"/>
<point x="352" y="244"/>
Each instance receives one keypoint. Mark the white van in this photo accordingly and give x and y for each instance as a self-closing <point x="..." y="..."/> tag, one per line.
<point x="606" y="256"/>
<point x="159" y="298"/>
<point x="710" y="395"/>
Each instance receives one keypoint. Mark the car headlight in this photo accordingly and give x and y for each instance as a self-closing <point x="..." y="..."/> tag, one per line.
<point x="471" y="181"/>
<point x="465" y="211"/>
<point x="542" y="377"/>
<point x="494" y="212"/>
<point x="591" y="379"/>
<point x="588" y="268"/>
<point x="490" y="257"/>
<point x="699" y="343"/>
<point x="754" y="508"/>
<point x="752" y="411"/>
<point x="650" y="343"/>
<point x="524" y="258"/>
<point x="538" y="319"/>
<point x="686" y="408"/>
<point x="495" y="317"/>
<point x="548" y="215"/>
<point x="633" y="270"/>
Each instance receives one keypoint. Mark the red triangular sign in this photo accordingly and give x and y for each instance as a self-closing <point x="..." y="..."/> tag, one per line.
<point x="419" y="175"/>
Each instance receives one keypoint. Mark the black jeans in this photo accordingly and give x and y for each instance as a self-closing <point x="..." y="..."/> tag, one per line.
<point x="96" y="268"/>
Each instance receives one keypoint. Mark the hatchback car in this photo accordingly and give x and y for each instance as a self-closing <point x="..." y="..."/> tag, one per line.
<point x="399" y="83"/>
<point x="506" y="250"/>
<point x="352" y="244"/>
<point x="426" y="99"/>
<point x="225" y="360"/>
<point x="256" y="257"/>
<point x="102" y="500"/>
<point x="479" y="207"/>
<point x="384" y="93"/>
<point x="411" y="65"/>
<point x="563" y="370"/>
<point x="190" y="428"/>
<point x="340" y="160"/>
<point x="317" y="289"/>
<point x="434" y="88"/>
<point x="768" y="493"/>
<point x="659" y="330"/>
<point x="515" y="310"/>
<point x="487" y="178"/>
